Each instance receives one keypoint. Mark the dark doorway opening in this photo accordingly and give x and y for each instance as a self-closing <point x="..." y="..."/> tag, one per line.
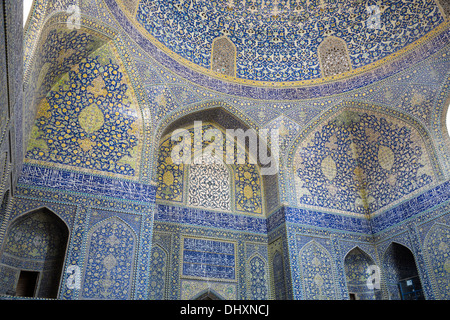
<point x="402" y="277"/>
<point x="26" y="286"/>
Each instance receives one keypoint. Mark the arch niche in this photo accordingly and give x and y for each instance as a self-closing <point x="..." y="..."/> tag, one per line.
<point x="224" y="192"/>
<point x="401" y="274"/>
<point x="357" y="265"/>
<point x="244" y="188"/>
<point x="34" y="251"/>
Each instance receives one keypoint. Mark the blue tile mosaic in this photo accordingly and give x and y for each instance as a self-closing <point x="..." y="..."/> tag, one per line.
<point x="419" y="54"/>
<point x="327" y="220"/>
<point x="108" y="92"/>
<point x="410" y="208"/>
<point x="267" y="51"/>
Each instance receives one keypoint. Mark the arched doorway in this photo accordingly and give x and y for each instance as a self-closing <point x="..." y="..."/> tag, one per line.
<point x="317" y="272"/>
<point x="209" y="173"/>
<point x="34" y="253"/>
<point x="400" y="270"/>
<point x="358" y="270"/>
<point x="436" y="247"/>
<point x="215" y="138"/>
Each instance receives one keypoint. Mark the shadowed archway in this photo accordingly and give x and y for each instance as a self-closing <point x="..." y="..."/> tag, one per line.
<point x="34" y="252"/>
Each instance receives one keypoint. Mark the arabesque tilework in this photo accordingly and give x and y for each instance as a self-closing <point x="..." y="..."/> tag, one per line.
<point x="283" y="35"/>
<point x="360" y="162"/>
<point x="363" y="150"/>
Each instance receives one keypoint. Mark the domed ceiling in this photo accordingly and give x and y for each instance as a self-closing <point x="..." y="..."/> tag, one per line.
<point x="279" y="40"/>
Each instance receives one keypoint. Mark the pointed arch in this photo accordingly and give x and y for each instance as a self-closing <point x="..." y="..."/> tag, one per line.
<point x="69" y="64"/>
<point x="208" y="294"/>
<point x="358" y="247"/>
<point x="436" y="247"/>
<point x="109" y="264"/>
<point x="317" y="272"/>
<point x="357" y="265"/>
<point x="317" y="173"/>
<point x="35" y="245"/>
<point x="397" y="241"/>
<point x="249" y="186"/>
<point x="36" y="206"/>
<point x="279" y="276"/>
<point x="398" y="264"/>
<point x="224" y="114"/>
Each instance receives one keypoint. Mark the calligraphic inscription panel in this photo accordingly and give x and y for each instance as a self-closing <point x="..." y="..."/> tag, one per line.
<point x="208" y="259"/>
